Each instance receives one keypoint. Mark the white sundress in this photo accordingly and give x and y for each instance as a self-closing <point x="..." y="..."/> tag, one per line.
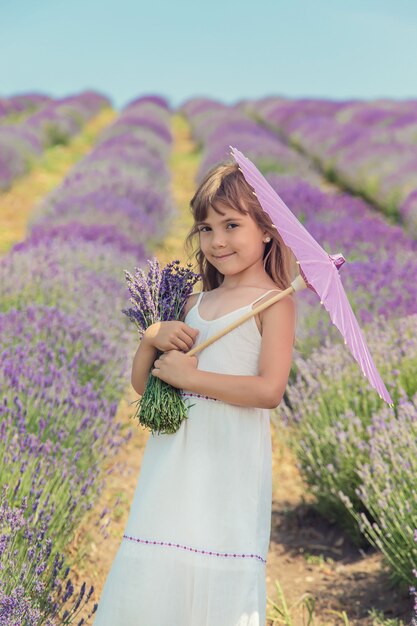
<point x="194" y="549"/>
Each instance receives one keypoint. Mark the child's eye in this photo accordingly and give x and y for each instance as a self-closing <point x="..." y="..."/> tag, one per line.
<point x="230" y="224"/>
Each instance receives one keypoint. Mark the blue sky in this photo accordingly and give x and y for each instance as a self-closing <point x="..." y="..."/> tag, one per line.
<point x="222" y="49"/>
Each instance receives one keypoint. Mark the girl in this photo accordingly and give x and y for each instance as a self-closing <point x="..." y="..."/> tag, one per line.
<point x="195" y="546"/>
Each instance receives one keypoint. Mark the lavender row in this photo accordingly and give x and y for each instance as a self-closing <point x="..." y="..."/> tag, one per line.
<point x="215" y="126"/>
<point x="125" y="175"/>
<point x="368" y="147"/>
<point x="55" y="123"/>
<point x="22" y="104"/>
<point x="67" y="348"/>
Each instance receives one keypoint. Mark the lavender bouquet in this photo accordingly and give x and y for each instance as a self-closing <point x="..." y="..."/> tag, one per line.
<point x="159" y="296"/>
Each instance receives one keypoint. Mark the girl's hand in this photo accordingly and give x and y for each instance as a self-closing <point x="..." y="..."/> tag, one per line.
<point x="175" y="368"/>
<point x="172" y="335"/>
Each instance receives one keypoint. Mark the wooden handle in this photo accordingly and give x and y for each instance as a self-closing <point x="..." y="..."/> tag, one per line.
<point x="242" y="319"/>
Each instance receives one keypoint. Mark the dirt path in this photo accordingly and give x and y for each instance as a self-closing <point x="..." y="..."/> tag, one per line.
<point x="307" y="554"/>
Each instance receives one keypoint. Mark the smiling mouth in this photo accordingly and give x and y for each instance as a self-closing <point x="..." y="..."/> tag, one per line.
<point x="223" y="256"/>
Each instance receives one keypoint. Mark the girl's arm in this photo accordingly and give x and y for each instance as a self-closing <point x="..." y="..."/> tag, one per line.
<point x="146" y="354"/>
<point x="142" y="363"/>
<point x="267" y="389"/>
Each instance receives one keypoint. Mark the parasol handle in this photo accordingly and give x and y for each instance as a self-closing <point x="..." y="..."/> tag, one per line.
<point x="296" y="285"/>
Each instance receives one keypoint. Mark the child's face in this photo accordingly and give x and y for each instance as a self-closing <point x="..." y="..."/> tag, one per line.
<point x="233" y="234"/>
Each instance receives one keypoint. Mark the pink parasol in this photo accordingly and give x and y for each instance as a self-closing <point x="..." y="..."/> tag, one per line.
<point x="319" y="271"/>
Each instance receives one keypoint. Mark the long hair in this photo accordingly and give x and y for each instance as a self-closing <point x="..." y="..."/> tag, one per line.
<point x="225" y="184"/>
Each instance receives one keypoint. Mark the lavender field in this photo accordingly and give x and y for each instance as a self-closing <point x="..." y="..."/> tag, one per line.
<point x="348" y="172"/>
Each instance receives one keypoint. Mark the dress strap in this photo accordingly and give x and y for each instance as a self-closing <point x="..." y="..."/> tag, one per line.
<point x="264" y="294"/>
<point x="199" y="298"/>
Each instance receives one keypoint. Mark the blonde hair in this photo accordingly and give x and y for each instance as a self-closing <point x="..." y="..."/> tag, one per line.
<point x="225" y="184"/>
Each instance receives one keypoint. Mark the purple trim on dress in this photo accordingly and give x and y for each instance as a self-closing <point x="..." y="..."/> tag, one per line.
<point x="211" y="552"/>
<point x="199" y="395"/>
